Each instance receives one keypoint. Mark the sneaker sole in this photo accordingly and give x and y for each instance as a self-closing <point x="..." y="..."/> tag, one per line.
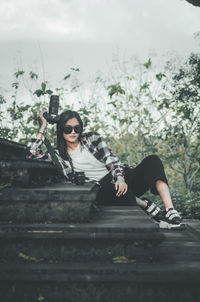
<point x="157" y="222"/>
<point x="166" y="225"/>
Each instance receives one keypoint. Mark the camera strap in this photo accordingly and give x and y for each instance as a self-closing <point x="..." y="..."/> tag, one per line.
<point x="53" y="156"/>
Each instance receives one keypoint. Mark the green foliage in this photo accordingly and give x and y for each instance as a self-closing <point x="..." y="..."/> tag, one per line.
<point x="3" y="185"/>
<point x="115" y="89"/>
<point x="148" y="64"/>
<point x="188" y="205"/>
<point x="160" y="76"/>
<point x="141" y="114"/>
<point x="43" y="90"/>
<point x="75" y="69"/>
<point x="33" y="75"/>
<point x="67" y="76"/>
<point x="180" y="102"/>
<point x="123" y="259"/>
<point x="19" y="73"/>
<point x="29" y="258"/>
<point x="15" y="85"/>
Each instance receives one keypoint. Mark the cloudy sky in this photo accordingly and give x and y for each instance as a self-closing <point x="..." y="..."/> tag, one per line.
<point x="86" y="33"/>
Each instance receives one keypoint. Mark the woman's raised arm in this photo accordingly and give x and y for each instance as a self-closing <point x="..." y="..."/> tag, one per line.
<point x="43" y="125"/>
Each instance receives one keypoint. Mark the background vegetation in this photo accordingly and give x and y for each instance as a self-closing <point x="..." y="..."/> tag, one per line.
<point x="138" y="109"/>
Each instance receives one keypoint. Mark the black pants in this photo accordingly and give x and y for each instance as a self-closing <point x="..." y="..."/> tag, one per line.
<point x="139" y="180"/>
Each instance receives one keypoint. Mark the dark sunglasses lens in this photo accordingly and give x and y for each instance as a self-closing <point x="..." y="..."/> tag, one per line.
<point x="68" y="129"/>
<point x="77" y="129"/>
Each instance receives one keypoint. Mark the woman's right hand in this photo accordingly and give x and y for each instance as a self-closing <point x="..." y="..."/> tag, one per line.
<point x="43" y="124"/>
<point x="42" y="120"/>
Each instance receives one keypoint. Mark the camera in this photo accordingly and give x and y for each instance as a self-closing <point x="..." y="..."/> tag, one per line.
<point x="79" y="178"/>
<point x="52" y="116"/>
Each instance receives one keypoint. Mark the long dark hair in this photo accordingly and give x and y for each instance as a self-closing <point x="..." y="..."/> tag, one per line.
<point x="61" y="143"/>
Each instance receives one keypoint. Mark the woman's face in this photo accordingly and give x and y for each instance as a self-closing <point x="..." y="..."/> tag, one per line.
<point x="73" y="136"/>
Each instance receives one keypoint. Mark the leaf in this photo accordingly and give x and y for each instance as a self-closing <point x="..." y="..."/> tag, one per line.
<point x="75" y="69"/>
<point x="39" y="92"/>
<point x="15" y="85"/>
<point x="147" y="64"/>
<point x="160" y="107"/>
<point x="144" y="86"/>
<point x="29" y="258"/>
<point x="43" y="85"/>
<point x="122" y="121"/>
<point x="160" y="75"/>
<point x="2" y="99"/>
<point x="40" y="298"/>
<point x="112" y="103"/>
<point x="49" y="91"/>
<point x="115" y="89"/>
<point x="67" y="76"/>
<point x="33" y="75"/>
<point x="123" y="259"/>
<point x="18" y="73"/>
<point x="130" y="97"/>
<point x="3" y="186"/>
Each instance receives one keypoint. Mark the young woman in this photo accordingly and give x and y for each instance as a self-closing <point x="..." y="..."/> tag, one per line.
<point x="88" y="153"/>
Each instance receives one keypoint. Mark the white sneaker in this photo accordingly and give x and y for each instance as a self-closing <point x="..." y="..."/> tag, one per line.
<point x="171" y="220"/>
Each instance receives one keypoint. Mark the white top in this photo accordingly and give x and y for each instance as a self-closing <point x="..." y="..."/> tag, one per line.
<point x="84" y="161"/>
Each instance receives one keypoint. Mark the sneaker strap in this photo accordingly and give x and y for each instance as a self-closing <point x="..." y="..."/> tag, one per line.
<point x="153" y="209"/>
<point x="171" y="213"/>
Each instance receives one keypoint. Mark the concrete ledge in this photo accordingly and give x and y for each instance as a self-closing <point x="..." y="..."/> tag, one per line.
<point x="55" y="192"/>
<point x="95" y="283"/>
<point x="65" y="202"/>
<point x="180" y="273"/>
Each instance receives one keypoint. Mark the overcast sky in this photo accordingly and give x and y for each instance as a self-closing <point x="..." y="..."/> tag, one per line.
<point x="86" y="33"/>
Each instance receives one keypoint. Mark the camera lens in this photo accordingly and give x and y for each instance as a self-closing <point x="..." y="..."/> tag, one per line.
<point x="54" y="104"/>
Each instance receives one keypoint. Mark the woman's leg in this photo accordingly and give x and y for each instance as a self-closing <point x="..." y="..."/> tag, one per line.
<point x="149" y="174"/>
<point x="164" y="193"/>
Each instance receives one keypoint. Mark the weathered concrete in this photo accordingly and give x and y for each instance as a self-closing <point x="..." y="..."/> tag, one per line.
<point x="61" y="262"/>
<point x="53" y="203"/>
<point x="10" y="150"/>
<point x="120" y="255"/>
<point x="116" y="232"/>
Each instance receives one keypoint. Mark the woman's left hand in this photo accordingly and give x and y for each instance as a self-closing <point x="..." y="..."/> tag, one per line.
<point x="121" y="186"/>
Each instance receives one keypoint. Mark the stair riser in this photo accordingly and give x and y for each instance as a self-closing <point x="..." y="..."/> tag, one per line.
<point x="99" y="291"/>
<point x="40" y="212"/>
<point x="85" y="250"/>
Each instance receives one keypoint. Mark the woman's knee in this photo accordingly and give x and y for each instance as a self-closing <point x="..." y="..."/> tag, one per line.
<point x="153" y="158"/>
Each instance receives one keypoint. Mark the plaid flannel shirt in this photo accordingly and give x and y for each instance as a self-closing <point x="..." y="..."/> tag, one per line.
<point x="94" y="143"/>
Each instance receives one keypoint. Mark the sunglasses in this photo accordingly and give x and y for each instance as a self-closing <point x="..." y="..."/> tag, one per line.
<point x="68" y="129"/>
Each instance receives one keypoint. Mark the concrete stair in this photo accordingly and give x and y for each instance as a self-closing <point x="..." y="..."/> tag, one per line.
<point x="57" y="245"/>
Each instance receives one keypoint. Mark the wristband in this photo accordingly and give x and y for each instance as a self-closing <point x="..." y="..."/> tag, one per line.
<point x="41" y="132"/>
<point x="122" y="180"/>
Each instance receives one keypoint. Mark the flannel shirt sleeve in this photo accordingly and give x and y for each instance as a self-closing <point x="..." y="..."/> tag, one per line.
<point x="109" y="158"/>
<point x="35" y="152"/>
<point x="35" y="149"/>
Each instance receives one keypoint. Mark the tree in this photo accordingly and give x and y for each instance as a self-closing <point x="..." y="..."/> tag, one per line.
<point x="179" y="106"/>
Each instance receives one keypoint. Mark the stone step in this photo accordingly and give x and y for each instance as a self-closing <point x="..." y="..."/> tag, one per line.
<point x="66" y="191"/>
<point x="60" y="202"/>
<point x="10" y="149"/>
<point x="115" y="232"/>
<point x="100" y="282"/>
<point x="22" y="172"/>
<point x="93" y="272"/>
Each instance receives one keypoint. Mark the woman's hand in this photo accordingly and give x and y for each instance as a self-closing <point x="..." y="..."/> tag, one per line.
<point x="43" y="124"/>
<point x="42" y="120"/>
<point x="121" y="186"/>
